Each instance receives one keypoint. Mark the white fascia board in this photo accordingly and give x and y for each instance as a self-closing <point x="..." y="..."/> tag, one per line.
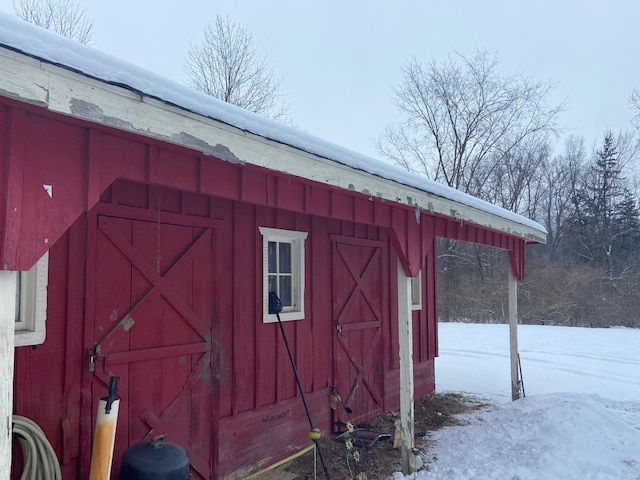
<point x="70" y="93"/>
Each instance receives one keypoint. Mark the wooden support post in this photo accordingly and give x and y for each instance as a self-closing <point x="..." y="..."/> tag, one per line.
<point x="513" y="334"/>
<point x="7" y="328"/>
<point x="405" y="336"/>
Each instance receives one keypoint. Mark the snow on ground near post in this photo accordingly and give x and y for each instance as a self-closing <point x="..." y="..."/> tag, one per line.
<point x="580" y="419"/>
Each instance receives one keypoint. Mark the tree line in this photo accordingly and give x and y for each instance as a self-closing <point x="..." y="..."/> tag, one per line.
<point x="490" y="135"/>
<point x="493" y="136"/>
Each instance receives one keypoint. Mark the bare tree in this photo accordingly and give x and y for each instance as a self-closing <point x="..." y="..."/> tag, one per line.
<point x="562" y="176"/>
<point x="516" y="182"/>
<point x="634" y="100"/>
<point x="61" y="16"/>
<point x="225" y="65"/>
<point x="462" y="119"/>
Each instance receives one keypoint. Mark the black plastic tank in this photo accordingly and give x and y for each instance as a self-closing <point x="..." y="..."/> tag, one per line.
<point x="155" y="460"/>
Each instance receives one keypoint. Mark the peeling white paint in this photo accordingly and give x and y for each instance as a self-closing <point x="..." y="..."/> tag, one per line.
<point x="7" y="322"/>
<point x="76" y="80"/>
<point x="127" y="323"/>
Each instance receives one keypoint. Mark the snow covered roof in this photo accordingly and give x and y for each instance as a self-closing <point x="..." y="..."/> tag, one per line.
<point x="74" y="79"/>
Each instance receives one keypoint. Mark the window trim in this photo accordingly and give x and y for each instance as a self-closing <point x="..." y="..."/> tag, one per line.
<point x="30" y="329"/>
<point x="297" y="240"/>
<point x="415" y="286"/>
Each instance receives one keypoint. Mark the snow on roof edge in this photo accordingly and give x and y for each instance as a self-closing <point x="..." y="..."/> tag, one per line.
<point x="52" y="48"/>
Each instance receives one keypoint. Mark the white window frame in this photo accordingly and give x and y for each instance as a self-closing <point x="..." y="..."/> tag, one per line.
<point x="416" y="291"/>
<point x="297" y="241"/>
<point x="30" y="319"/>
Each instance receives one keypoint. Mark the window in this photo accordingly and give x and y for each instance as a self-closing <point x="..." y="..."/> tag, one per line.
<point x="416" y="292"/>
<point x="29" y="289"/>
<point x="283" y="272"/>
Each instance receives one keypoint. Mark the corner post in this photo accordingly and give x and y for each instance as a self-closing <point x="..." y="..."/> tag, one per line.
<point x="405" y="336"/>
<point x="7" y="327"/>
<point x="513" y="334"/>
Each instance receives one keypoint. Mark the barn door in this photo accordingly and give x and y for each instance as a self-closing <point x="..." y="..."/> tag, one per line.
<point x="357" y="314"/>
<point x="152" y="328"/>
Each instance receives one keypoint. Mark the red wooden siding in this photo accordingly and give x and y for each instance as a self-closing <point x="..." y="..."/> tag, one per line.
<point x="47" y="378"/>
<point x="125" y="210"/>
<point x="90" y="158"/>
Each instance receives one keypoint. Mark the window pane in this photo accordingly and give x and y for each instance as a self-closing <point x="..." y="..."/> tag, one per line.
<point x="273" y="265"/>
<point x="273" y="283"/>
<point x="285" y="257"/>
<point x="286" y="293"/>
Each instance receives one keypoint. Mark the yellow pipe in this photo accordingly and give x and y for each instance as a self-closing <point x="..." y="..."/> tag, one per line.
<point x="281" y="462"/>
<point x="103" y="440"/>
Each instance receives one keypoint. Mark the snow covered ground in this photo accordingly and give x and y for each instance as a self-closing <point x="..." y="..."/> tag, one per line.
<point x="580" y="419"/>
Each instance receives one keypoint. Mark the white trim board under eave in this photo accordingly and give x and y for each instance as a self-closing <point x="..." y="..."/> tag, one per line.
<point x="71" y="93"/>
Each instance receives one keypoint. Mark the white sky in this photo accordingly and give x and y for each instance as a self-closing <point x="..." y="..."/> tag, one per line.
<point x="341" y="59"/>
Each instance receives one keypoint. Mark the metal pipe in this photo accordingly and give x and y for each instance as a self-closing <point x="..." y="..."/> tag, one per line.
<point x="275" y="306"/>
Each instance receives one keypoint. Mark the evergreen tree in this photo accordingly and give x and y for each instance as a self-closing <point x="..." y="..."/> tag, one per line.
<point x="604" y="224"/>
<point x="627" y="226"/>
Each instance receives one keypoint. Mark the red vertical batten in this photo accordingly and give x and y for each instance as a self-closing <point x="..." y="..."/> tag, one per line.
<point x="4" y="172"/>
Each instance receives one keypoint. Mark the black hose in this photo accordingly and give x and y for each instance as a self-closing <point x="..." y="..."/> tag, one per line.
<point x="275" y="306"/>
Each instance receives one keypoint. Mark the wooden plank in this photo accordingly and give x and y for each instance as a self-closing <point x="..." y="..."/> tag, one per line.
<point x="393" y="344"/>
<point x="119" y="156"/>
<point x="319" y="201"/>
<point x="7" y="320"/>
<point x="75" y="288"/>
<point x="285" y="379"/>
<point x="253" y="187"/>
<point x="513" y="335"/>
<point x="93" y="188"/>
<point x="405" y="325"/>
<point x="145" y="385"/>
<point x="304" y="338"/>
<point x="13" y="185"/>
<point x="221" y="179"/>
<point x="431" y="278"/>
<point x="146" y="354"/>
<point x="266" y="342"/>
<point x="424" y="378"/>
<point x="254" y="430"/>
<point x="245" y="235"/>
<point x="320" y="302"/>
<point x="382" y="214"/>
<point x="4" y="168"/>
<point x="148" y="215"/>
<point x="177" y="170"/>
<point x="290" y="193"/>
<point x="363" y="210"/>
<point x="341" y="206"/>
<point x="224" y="310"/>
<point x="86" y="405"/>
<point x="348" y="327"/>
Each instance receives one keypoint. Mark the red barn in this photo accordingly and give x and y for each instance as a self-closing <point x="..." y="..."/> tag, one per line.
<point x="168" y="216"/>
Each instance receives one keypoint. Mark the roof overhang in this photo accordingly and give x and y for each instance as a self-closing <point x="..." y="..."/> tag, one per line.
<point x="63" y="90"/>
